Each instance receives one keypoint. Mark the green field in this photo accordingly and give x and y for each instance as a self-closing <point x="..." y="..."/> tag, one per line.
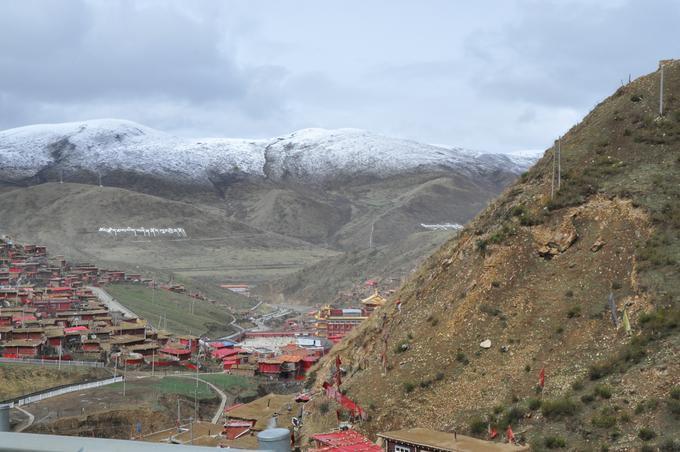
<point x="229" y="383"/>
<point x="186" y="386"/>
<point x="207" y="318"/>
<point x="167" y="385"/>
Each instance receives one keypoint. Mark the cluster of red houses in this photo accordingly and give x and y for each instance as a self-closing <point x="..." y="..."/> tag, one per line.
<point x="290" y="361"/>
<point x="47" y="312"/>
<point x="336" y="323"/>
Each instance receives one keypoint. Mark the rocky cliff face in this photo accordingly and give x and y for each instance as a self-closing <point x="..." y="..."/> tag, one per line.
<point x="530" y="279"/>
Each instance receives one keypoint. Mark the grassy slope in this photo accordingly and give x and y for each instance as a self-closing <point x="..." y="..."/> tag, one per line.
<point x="621" y="186"/>
<point x="322" y="282"/>
<point x="211" y="319"/>
<point x="19" y="379"/>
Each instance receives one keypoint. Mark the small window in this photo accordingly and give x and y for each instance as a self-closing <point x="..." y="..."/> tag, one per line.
<point x="402" y="449"/>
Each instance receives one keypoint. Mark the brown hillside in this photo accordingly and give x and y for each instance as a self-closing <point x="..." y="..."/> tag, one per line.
<point x="532" y="274"/>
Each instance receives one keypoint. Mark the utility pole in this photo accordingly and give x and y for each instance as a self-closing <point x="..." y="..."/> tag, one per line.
<point x="124" y="376"/>
<point x="661" y="91"/>
<point x="552" y="180"/>
<point x="559" y="163"/>
<point x="153" y="361"/>
<point x="196" y="391"/>
<point x="100" y="178"/>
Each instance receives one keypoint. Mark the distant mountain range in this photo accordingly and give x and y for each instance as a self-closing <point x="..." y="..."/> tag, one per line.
<point x="253" y="210"/>
<point x="309" y="156"/>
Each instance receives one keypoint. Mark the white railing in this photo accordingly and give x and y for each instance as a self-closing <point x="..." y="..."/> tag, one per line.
<point x="65" y="390"/>
<point x="51" y="362"/>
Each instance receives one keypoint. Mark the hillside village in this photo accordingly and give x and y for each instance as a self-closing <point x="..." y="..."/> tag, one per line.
<point x="339" y="226"/>
<point x="577" y="266"/>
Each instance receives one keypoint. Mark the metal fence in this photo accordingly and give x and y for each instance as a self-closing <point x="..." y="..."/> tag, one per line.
<point x="36" y="397"/>
<point x="51" y="362"/>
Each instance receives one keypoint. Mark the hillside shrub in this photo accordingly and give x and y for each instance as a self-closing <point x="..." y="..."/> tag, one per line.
<point x="478" y="426"/>
<point x="646" y="406"/>
<point x="604" y="419"/>
<point x="461" y="358"/>
<point x="481" y="246"/>
<point x="646" y="434"/>
<point x="577" y="385"/>
<point x="512" y="416"/>
<point x="600" y="369"/>
<point x="409" y="387"/>
<point x="556" y="408"/>
<point x="674" y="406"/>
<point x="534" y="403"/>
<point x="525" y="217"/>
<point x="554" y="442"/>
<point x="603" y="391"/>
<point x="587" y="398"/>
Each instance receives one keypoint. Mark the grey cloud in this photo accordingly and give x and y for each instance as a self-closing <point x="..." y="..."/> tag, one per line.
<point x="497" y="75"/>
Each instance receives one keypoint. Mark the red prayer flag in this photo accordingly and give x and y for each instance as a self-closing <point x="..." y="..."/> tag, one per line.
<point x="510" y="435"/>
<point x="541" y="378"/>
<point x="492" y="432"/>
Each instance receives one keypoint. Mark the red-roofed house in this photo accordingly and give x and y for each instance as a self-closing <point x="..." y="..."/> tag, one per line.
<point x="234" y="429"/>
<point x="344" y="441"/>
<point x="225" y="352"/>
<point x="179" y="353"/>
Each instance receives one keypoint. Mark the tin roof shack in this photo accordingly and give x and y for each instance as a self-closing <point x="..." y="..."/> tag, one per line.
<point x="425" y="440"/>
<point x="344" y="441"/>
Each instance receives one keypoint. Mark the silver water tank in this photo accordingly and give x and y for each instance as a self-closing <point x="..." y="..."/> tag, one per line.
<point x="274" y="439"/>
<point x="4" y="417"/>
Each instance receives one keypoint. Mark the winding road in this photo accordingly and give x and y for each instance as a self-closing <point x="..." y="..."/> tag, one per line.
<point x="111" y="302"/>
<point x="223" y="396"/>
<point x="27" y="423"/>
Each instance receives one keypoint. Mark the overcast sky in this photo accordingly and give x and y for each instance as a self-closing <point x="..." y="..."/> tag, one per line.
<point x="491" y="75"/>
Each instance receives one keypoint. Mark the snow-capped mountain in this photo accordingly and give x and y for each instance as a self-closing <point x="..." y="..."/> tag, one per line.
<point x="309" y="155"/>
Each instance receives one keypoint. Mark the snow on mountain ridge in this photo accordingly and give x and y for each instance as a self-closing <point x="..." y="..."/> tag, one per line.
<point x="308" y="154"/>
